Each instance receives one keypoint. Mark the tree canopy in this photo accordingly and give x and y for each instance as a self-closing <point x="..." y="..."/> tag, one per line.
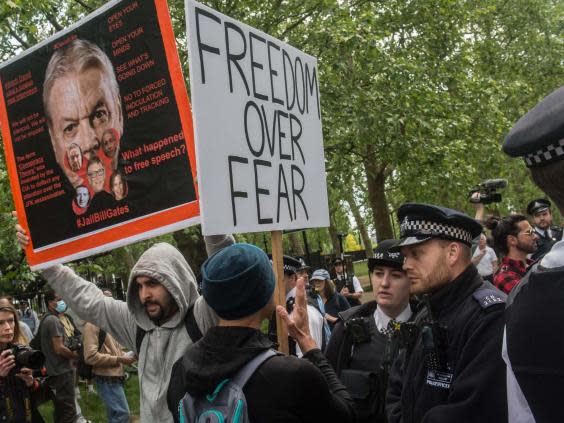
<point x="417" y="97"/>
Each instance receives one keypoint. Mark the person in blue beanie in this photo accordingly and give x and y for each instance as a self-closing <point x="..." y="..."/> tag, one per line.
<point x="238" y="284"/>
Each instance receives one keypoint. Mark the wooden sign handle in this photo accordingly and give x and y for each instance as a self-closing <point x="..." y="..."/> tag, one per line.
<point x="280" y="290"/>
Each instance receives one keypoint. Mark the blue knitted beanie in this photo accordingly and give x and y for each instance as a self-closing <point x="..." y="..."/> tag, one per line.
<point x="237" y="281"/>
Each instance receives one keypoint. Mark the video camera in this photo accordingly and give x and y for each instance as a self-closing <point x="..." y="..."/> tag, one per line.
<point x="487" y="191"/>
<point x="26" y="357"/>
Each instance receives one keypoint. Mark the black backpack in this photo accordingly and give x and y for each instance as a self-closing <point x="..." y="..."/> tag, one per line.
<point x="35" y="342"/>
<point x="85" y="370"/>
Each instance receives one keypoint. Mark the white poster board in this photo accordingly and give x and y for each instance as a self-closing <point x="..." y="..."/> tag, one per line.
<point x="257" y="127"/>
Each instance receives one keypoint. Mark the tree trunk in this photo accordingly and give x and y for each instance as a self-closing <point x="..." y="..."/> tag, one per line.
<point x="296" y="246"/>
<point x="124" y="255"/>
<point x="333" y="234"/>
<point x="359" y="222"/>
<point x="128" y="258"/>
<point x="376" y="178"/>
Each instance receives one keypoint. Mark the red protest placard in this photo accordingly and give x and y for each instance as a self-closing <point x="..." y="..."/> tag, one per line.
<point x="98" y="134"/>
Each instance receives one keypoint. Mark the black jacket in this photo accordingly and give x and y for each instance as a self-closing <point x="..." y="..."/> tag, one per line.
<point x="471" y="388"/>
<point x="545" y="243"/>
<point x="535" y="346"/>
<point x="282" y="389"/>
<point x="370" y="360"/>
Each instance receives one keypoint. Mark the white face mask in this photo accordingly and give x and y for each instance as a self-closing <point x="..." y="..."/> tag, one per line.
<point x="61" y="306"/>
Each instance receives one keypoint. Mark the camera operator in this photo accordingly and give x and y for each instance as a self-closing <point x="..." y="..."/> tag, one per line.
<point x="18" y="388"/>
<point x="60" y="351"/>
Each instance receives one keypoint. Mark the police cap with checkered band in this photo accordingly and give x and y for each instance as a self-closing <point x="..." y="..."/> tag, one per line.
<point x="538" y="205"/>
<point x="421" y="222"/>
<point x="290" y="264"/>
<point x="538" y="136"/>
<point x="386" y="256"/>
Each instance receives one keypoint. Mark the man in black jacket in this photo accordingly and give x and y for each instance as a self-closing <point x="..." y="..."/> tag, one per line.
<point x="238" y="284"/>
<point x="534" y="346"/>
<point x="365" y="342"/>
<point x="451" y="370"/>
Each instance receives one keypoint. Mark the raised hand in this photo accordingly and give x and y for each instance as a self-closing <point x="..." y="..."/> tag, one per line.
<point x="298" y="322"/>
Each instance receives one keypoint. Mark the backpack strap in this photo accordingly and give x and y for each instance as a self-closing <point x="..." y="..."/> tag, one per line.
<point x="76" y="331"/>
<point x="101" y="338"/>
<point x="192" y="328"/>
<point x="139" y="335"/>
<point x="244" y="374"/>
<point x="35" y="342"/>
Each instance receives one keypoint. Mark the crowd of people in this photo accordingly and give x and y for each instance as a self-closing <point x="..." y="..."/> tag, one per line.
<point x="440" y="342"/>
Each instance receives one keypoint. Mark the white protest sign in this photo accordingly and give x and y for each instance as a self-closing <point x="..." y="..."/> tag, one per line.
<point x="257" y="123"/>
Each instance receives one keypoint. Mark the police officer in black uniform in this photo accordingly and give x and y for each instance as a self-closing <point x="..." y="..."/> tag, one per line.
<point x="346" y="283"/>
<point x="547" y="234"/>
<point x="450" y="369"/>
<point x="365" y="342"/>
<point x="534" y="345"/>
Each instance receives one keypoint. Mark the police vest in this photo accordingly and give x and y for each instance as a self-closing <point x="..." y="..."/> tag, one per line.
<point x="341" y="282"/>
<point x="370" y="355"/>
<point x="348" y="282"/>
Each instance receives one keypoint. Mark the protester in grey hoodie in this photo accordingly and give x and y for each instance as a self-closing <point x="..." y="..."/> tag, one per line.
<point x="148" y="307"/>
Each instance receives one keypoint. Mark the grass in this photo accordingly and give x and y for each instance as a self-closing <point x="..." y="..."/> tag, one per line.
<point x="92" y="406"/>
<point x="361" y="272"/>
<point x="361" y="268"/>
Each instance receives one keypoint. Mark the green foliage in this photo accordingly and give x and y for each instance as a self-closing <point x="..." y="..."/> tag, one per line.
<point x="420" y="92"/>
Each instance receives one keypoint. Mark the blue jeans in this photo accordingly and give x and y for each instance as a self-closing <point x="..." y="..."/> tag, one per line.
<point x="113" y="395"/>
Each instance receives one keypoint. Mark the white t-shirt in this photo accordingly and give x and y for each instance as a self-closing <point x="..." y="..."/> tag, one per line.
<point x="485" y="267"/>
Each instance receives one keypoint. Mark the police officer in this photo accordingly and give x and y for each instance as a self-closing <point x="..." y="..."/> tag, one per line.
<point x="534" y="346"/>
<point x="547" y="234"/>
<point x="451" y="369"/>
<point x="347" y="285"/>
<point x="364" y="343"/>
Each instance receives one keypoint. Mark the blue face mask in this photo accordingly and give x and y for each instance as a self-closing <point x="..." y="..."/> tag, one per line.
<point x="61" y="306"/>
